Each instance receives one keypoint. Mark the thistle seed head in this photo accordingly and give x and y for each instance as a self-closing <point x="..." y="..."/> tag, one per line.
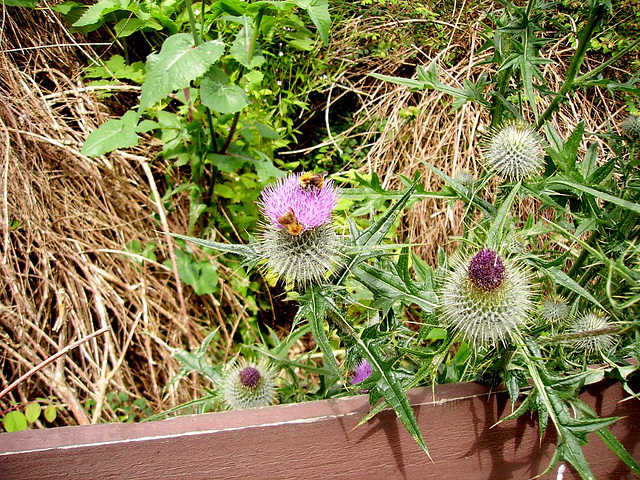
<point x="487" y="298"/>
<point x="514" y="152"/>
<point x="248" y="385"/>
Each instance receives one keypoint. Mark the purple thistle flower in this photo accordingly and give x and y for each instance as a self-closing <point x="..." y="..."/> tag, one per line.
<point x="362" y="372"/>
<point x="486" y="270"/>
<point x="311" y="207"/>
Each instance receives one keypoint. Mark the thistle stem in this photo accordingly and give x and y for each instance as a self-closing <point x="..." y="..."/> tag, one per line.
<point x="593" y="22"/>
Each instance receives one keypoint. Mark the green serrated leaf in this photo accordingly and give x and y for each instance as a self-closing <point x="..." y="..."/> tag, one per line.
<point x="248" y="252"/>
<point x="386" y="284"/>
<point x="318" y="11"/>
<point x="112" y="134"/>
<point x="220" y="97"/>
<point x="176" y="66"/>
<point x="95" y="13"/>
<point x="389" y="384"/>
<point x="313" y="307"/>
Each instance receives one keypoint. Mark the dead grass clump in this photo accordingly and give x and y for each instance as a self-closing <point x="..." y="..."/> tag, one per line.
<point x="66" y="222"/>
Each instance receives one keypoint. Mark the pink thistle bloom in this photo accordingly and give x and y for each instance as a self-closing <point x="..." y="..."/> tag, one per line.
<point x="362" y="372"/>
<point x="312" y="207"/>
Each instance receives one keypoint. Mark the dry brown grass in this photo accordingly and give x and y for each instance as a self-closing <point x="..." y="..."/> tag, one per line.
<point x="66" y="220"/>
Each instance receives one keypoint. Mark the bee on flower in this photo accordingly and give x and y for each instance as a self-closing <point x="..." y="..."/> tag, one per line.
<point x="298" y="241"/>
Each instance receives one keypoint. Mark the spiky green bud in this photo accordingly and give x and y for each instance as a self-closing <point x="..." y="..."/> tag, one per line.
<point x="554" y="309"/>
<point x="514" y="152"/>
<point x="594" y="333"/>
<point x="630" y="126"/>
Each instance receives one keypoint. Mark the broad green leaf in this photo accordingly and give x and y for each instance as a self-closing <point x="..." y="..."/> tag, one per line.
<point x="176" y="66"/>
<point x="50" y="413"/>
<point x="318" y="11"/>
<point x="241" y="48"/>
<point x="220" y="97"/>
<point x="32" y="412"/>
<point x="118" y="68"/>
<point x="14" y="421"/>
<point x="112" y="134"/>
<point x="95" y="13"/>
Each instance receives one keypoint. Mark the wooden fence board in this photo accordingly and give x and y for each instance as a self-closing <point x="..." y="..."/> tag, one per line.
<point x="315" y="440"/>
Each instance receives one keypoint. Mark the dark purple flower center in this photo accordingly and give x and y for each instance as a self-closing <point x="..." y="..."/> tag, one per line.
<point x="486" y="270"/>
<point x="250" y="377"/>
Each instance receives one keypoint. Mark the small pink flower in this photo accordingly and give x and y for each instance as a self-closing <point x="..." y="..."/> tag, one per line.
<point x="362" y="372"/>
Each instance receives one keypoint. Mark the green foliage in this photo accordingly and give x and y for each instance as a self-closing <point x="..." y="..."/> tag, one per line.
<point x="20" y="417"/>
<point x="583" y="250"/>
<point x="126" y="409"/>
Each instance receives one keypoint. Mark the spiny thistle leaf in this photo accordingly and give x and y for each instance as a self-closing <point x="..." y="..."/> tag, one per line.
<point x="313" y="307"/>
<point x="388" y="383"/>
<point x="247" y="252"/>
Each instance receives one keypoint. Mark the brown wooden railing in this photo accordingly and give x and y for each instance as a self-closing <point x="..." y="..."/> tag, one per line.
<point x="316" y="440"/>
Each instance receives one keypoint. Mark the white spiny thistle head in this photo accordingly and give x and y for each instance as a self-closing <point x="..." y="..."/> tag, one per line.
<point x="301" y="259"/>
<point x="593" y="331"/>
<point x="514" y="151"/>
<point x="630" y="126"/>
<point x="298" y="241"/>
<point x="248" y="385"/>
<point x="554" y="309"/>
<point x="487" y="298"/>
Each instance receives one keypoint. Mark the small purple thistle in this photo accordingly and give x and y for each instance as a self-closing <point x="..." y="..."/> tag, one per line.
<point x="362" y="372"/>
<point x="311" y="208"/>
<point x="249" y="377"/>
<point x="486" y="270"/>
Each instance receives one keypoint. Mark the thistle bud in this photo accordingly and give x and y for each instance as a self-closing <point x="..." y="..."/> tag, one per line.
<point x="593" y="332"/>
<point x="248" y="385"/>
<point x="514" y="152"/>
<point x="554" y="309"/>
<point x="630" y="126"/>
